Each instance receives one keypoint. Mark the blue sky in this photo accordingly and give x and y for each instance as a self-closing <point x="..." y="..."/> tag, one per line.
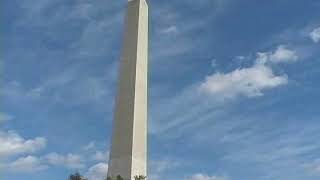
<point x="234" y="88"/>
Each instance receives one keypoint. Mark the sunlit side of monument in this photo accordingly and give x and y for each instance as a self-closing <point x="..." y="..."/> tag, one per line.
<point x="128" y="156"/>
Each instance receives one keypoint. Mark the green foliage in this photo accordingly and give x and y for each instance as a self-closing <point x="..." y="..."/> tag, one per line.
<point x="119" y="177"/>
<point x="140" y="177"/>
<point x="76" y="176"/>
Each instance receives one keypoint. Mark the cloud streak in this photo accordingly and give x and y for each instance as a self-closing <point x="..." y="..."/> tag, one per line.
<point x="71" y="161"/>
<point x="219" y="89"/>
<point x="29" y="164"/>
<point x="5" y="117"/>
<point x="205" y="177"/>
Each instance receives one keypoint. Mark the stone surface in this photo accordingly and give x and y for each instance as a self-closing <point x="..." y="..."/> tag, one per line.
<point x="128" y="156"/>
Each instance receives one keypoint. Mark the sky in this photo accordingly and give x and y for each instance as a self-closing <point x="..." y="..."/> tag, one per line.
<point x="233" y="88"/>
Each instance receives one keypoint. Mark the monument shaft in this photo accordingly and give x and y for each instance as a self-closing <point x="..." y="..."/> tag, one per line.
<point x="128" y="156"/>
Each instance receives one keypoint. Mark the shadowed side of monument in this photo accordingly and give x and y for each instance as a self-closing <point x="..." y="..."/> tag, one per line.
<point x="128" y="156"/>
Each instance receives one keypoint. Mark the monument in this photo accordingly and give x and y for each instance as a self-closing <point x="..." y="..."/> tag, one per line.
<point x="128" y="156"/>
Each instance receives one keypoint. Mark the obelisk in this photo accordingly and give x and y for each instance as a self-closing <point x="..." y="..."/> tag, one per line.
<point x="128" y="156"/>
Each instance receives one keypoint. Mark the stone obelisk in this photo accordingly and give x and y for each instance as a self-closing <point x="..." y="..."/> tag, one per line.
<point x="128" y="156"/>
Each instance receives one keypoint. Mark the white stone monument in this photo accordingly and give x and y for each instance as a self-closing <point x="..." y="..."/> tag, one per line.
<point x="128" y="156"/>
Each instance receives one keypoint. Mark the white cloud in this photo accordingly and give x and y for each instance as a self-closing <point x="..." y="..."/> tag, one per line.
<point x="97" y="172"/>
<point x="26" y="164"/>
<point x="71" y="161"/>
<point x="205" y="177"/>
<point x="5" y="117"/>
<point x="170" y="30"/>
<point x="248" y="82"/>
<point x="13" y="144"/>
<point x="90" y="146"/>
<point x="315" y="35"/>
<point x="100" y="156"/>
<point x="281" y="55"/>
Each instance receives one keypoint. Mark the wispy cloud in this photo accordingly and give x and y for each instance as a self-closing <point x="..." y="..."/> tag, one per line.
<point x="90" y="146"/>
<point x="28" y="164"/>
<point x="313" y="167"/>
<point x="159" y="168"/>
<point x="97" y="172"/>
<point x="100" y="156"/>
<point x="315" y="35"/>
<point x="13" y="144"/>
<point x="278" y="152"/>
<point x="17" y="153"/>
<point x="248" y="82"/>
<point x="72" y="161"/>
<point x="219" y="88"/>
<point x="5" y="117"/>
<point x="170" y="30"/>
<point x="281" y="55"/>
<point x="70" y="87"/>
<point x="205" y="177"/>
